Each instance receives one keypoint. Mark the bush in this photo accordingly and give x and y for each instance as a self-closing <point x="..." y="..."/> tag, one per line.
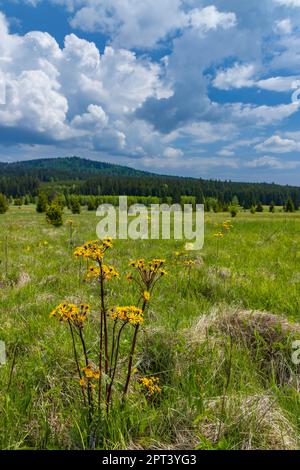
<point x="91" y="205"/>
<point x="54" y="215"/>
<point x="18" y="202"/>
<point x="233" y="211"/>
<point x="259" y="207"/>
<point x="42" y="203"/>
<point x="3" y="204"/>
<point x="289" y="207"/>
<point x="75" y="205"/>
<point x="27" y="200"/>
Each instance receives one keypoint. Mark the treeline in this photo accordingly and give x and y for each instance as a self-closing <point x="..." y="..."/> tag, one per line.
<point x="19" y="186"/>
<point x="247" y="194"/>
<point x="75" y="176"/>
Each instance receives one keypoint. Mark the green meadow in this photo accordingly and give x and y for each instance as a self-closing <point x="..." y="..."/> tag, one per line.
<point x="218" y="334"/>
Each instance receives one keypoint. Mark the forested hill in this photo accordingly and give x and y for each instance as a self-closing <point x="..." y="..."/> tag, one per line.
<point x="87" y="177"/>
<point x="65" y="169"/>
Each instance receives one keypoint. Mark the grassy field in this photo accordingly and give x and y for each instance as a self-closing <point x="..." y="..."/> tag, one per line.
<point x="224" y="364"/>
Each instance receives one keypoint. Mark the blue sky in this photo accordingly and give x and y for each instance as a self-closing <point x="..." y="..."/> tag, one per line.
<point x="189" y="87"/>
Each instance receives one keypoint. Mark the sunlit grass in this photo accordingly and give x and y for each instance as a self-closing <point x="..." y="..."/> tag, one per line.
<point x="254" y="266"/>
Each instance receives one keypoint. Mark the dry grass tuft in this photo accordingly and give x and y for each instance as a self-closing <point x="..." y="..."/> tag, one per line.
<point x="268" y="337"/>
<point x="23" y="280"/>
<point x="251" y="422"/>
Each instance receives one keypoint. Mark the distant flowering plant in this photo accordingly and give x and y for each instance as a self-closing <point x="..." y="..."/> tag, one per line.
<point x="223" y="229"/>
<point x="100" y="378"/>
<point x="150" y="386"/>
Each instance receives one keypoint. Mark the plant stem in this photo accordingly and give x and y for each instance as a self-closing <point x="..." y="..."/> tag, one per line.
<point x="129" y="371"/>
<point x="90" y="394"/>
<point x="76" y="360"/>
<point x="130" y="361"/>
<point x="109" y="391"/>
<point x="112" y="348"/>
<point x="104" y="318"/>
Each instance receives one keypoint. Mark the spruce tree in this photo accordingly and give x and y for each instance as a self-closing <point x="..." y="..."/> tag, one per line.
<point x="3" y="204"/>
<point x="259" y="207"/>
<point x="42" y="203"/>
<point x="289" y="207"/>
<point x="54" y="215"/>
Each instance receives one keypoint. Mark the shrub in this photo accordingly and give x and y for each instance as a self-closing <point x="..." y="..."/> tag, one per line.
<point x="75" y="205"/>
<point x="259" y="207"/>
<point x="3" y="204"/>
<point x="233" y="211"/>
<point x="18" y="202"/>
<point x="289" y="207"/>
<point x="91" y="205"/>
<point x="42" y="203"/>
<point x="54" y="215"/>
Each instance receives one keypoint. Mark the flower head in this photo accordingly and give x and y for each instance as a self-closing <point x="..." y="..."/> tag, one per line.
<point x="94" y="249"/>
<point x="131" y="314"/>
<point x="219" y="235"/>
<point x="72" y="313"/>
<point x="150" y="385"/>
<point x="189" y="263"/>
<point x="91" y="372"/>
<point x="107" y="272"/>
<point x="149" y="271"/>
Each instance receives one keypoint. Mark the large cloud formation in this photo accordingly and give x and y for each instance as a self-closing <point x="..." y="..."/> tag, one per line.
<point x="179" y="83"/>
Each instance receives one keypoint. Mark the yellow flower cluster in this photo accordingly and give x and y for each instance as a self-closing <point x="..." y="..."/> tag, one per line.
<point x="151" y="385"/>
<point x="189" y="263"/>
<point x="108" y="272"/>
<point x="148" y="270"/>
<point x="227" y="225"/>
<point x="219" y="235"/>
<point x="72" y="313"/>
<point x="94" y="249"/>
<point x="152" y="265"/>
<point x="132" y="315"/>
<point x="90" y="374"/>
<point x="224" y="227"/>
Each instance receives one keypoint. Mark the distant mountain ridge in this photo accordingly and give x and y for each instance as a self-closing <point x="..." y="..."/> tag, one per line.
<point x="66" y="168"/>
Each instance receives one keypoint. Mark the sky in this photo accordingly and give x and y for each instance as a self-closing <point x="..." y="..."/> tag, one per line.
<point x="196" y="88"/>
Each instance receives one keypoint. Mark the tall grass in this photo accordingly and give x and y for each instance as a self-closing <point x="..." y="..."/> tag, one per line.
<point x="216" y="392"/>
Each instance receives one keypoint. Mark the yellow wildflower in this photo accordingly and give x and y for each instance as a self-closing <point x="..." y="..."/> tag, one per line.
<point x="108" y="272"/>
<point x="149" y="271"/>
<point x="131" y="314"/>
<point x="129" y="277"/>
<point x="189" y="263"/>
<point x="219" y="235"/>
<point x="150" y="385"/>
<point x="72" y="313"/>
<point x="146" y="295"/>
<point x="82" y="382"/>
<point x="94" y="249"/>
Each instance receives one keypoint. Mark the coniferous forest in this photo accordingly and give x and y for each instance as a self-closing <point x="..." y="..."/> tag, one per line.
<point x="86" y="177"/>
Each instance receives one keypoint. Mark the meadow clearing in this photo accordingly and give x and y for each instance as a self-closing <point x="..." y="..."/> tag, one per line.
<point x="226" y="375"/>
